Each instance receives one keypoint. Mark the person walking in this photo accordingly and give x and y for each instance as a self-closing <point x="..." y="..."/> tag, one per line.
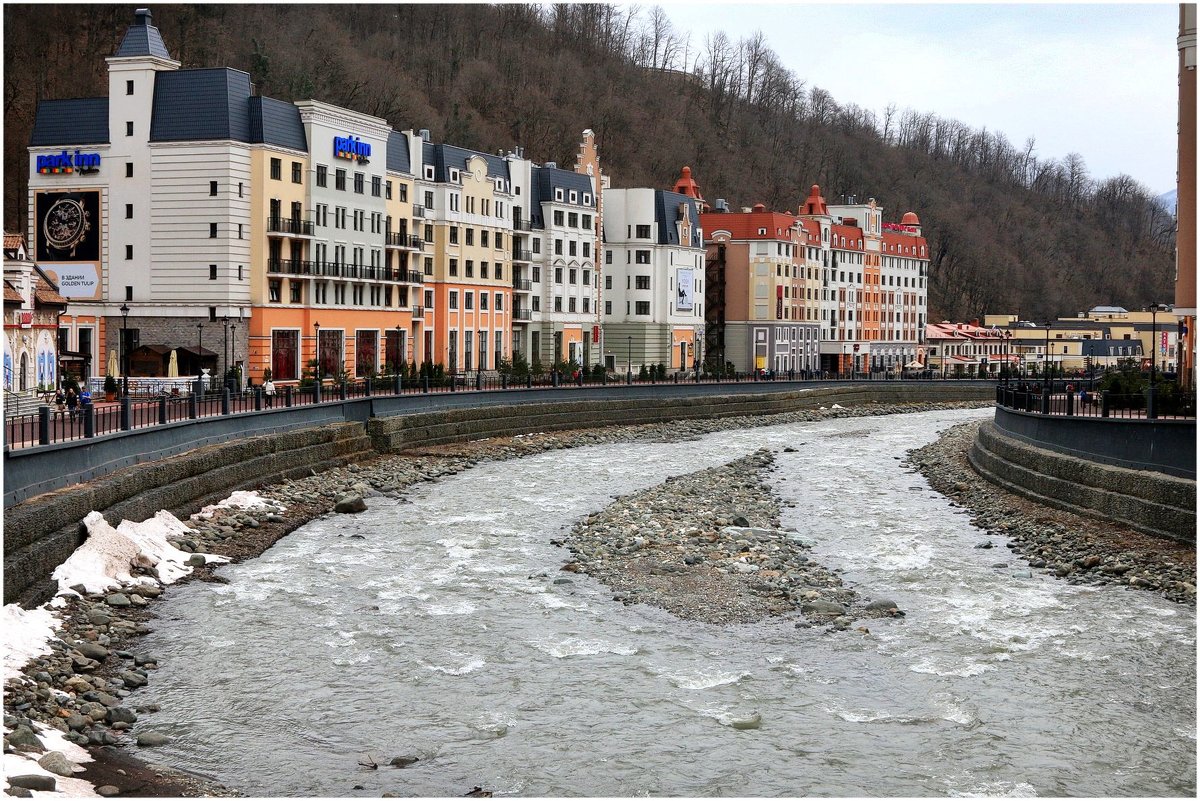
<point x="72" y="401"/>
<point x="269" y="392"/>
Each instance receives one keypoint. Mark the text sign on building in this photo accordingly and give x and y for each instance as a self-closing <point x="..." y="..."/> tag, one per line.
<point x="66" y="163"/>
<point x="352" y="148"/>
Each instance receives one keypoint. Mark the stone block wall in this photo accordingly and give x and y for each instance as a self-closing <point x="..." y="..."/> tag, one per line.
<point x="1144" y="500"/>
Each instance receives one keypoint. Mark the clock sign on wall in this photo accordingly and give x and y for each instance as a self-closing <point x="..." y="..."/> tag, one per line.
<point x="68" y="226"/>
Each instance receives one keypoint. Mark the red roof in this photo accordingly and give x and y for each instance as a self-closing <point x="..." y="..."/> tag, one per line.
<point x="853" y="235"/>
<point x="914" y="247"/>
<point x="964" y="331"/>
<point x="746" y="225"/>
<point x="12" y="241"/>
<point x="11" y="295"/>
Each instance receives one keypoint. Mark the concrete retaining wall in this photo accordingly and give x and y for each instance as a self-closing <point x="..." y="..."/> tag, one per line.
<point x="40" y="534"/>
<point x="1147" y="501"/>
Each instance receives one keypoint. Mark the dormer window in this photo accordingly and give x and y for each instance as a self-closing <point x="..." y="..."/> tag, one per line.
<point x="454" y="176"/>
<point x="558" y="195"/>
<point x="587" y="198"/>
<point x="428" y="172"/>
<point x="574" y="196"/>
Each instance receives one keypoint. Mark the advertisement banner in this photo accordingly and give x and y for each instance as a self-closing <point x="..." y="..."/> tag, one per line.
<point x="684" y="282"/>
<point x="67" y="234"/>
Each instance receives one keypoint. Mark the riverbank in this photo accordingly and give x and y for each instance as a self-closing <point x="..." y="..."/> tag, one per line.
<point x="83" y="686"/>
<point x="1074" y="549"/>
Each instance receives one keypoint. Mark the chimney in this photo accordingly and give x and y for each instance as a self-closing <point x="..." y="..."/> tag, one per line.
<point x="142" y="17"/>
<point x="551" y="165"/>
<point x="722" y="205"/>
<point x="424" y="134"/>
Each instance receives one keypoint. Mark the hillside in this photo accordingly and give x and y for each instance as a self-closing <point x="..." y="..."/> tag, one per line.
<point x="1008" y="231"/>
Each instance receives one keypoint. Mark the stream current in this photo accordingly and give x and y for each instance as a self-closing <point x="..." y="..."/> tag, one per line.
<point x="440" y="634"/>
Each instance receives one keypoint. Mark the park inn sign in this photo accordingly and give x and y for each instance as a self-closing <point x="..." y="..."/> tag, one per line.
<point x="66" y="163"/>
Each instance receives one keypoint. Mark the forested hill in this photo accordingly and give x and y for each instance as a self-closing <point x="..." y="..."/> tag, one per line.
<point x="1008" y="230"/>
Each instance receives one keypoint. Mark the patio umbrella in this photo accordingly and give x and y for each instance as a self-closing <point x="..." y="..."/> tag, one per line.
<point x="112" y="363"/>
<point x="173" y="365"/>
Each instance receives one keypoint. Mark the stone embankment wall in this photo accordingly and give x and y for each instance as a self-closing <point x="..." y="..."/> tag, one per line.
<point x="1145" y="500"/>
<point x="391" y="434"/>
<point x="41" y="532"/>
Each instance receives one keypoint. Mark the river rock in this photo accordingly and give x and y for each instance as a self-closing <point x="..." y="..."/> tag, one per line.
<point x="822" y="608"/>
<point x="92" y="651"/>
<point x="18" y="792"/>
<point x="108" y="790"/>
<point x="152" y="739"/>
<point x="34" y="781"/>
<point x="350" y="504"/>
<point x="403" y="761"/>
<point x="751" y="721"/>
<point x="23" y="738"/>
<point x="117" y="599"/>
<point x="121" y="714"/>
<point x="56" y="762"/>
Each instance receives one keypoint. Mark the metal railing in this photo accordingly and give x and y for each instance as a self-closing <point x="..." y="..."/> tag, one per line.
<point x="418" y="311"/>
<point x="522" y="314"/>
<point x="418" y="211"/>
<point x="290" y="225"/>
<point x="522" y="284"/>
<point x="49" y="426"/>
<point x="1057" y="399"/>
<point x="520" y="254"/>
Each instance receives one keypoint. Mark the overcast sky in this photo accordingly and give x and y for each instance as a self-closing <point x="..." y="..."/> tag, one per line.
<point x="1100" y="80"/>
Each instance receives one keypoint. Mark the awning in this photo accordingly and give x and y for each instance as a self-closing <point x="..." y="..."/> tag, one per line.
<point x="197" y="351"/>
<point x="158" y="350"/>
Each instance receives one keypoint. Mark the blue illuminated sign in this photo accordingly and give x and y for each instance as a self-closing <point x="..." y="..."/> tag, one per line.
<point x="65" y="163"/>
<point x="351" y="147"/>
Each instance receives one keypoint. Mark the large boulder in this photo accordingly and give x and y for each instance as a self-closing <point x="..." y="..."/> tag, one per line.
<point x="820" y="607"/>
<point x="350" y="504"/>
<point x="57" y="763"/>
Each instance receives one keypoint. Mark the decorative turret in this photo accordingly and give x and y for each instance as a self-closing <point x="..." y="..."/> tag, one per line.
<point x="814" y="204"/>
<point x="142" y="38"/>
<point x="911" y="222"/>
<point x="686" y="185"/>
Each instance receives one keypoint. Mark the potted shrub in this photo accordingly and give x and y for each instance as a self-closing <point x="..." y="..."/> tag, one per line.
<point x="110" y="388"/>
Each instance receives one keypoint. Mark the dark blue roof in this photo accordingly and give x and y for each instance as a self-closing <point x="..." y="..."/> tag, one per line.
<point x="443" y="157"/>
<point x="666" y="213"/>
<point x="142" y="38"/>
<point x="546" y="180"/>
<point x="397" y="153"/>
<point x="1110" y="347"/>
<point x="192" y="105"/>
<point x="83" y="121"/>
<point x="276" y="122"/>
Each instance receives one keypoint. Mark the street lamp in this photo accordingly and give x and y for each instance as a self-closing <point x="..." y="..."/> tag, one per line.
<point x="1155" y="308"/>
<point x="124" y="351"/>
<point x="399" y="352"/>
<point x="1046" y="366"/>
<point x="200" y="354"/>
<point x="317" y="349"/>
<point x="233" y="349"/>
<point x="225" y="353"/>
<point x="1007" y="357"/>
<point x="630" y="371"/>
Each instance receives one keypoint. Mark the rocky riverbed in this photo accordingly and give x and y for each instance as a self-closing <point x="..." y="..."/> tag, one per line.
<point x="1075" y="549"/>
<point x="85" y="687"/>
<point x="707" y="546"/>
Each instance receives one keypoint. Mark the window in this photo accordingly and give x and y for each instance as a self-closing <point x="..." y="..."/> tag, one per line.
<point x="129" y="87"/>
<point x="557" y="247"/>
<point x="470" y="236"/>
<point x="571" y="248"/>
<point x="537" y="245"/>
<point x="573" y="220"/>
<point x="468" y="301"/>
<point x="499" y="240"/>
<point x="643" y="307"/>
<point x="239" y="188"/>
<point x="212" y="230"/>
<point x="274" y="289"/>
<point x="212" y="272"/>
<point x="339" y="180"/>
<point x="454" y="235"/>
<point x="558" y="275"/>
<point x="571" y="304"/>
<point x="483" y="269"/>
<point x="483" y="238"/>
<point x="470" y="265"/>
<point x="483" y="301"/>
<point x="403" y="193"/>
<point x="428" y="201"/>
<point x="128" y="253"/>
<point x="376" y="186"/>
<point x="453" y="299"/>
<point x="358" y="183"/>
<point x="643" y="232"/>
<point x="129" y="128"/>
<point x="212" y="188"/>
<point x="558" y="304"/>
<point x="129" y="169"/>
<point x="454" y="267"/>
<point x="276" y="169"/>
<point x="322" y="175"/>
<point x="587" y="250"/>
<point x="297" y="290"/>
<point x="586" y="220"/>
<point x="429" y="265"/>
<point x="642" y="256"/>
<point x="608" y="307"/>
<point x="572" y="274"/>
<point x="643" y="282"/>
<point x="587" y="305"/>
<point x="558" y="218"/>
<point x="129" y="211"/>
<point x="608" y="259"/>
<point x="587" y="277"/>
<point x="499" y="304"/>
<point x="608" y="282"/>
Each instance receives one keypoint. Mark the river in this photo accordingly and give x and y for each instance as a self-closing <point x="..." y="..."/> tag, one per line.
<point x="431" y="627"/>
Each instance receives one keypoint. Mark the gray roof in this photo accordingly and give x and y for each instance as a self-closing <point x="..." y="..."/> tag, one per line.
<point x="192" y="105"/>
<point x="546" y="180"/>
<point x="1110" y="347"/>
<point x="666" y="213"/>
<point x="397" y="153"/>
<point x="142" y="38"/>
<point x="444" y="156"/>
<point x="276" y="122"/>
<point x="83" y="121"/>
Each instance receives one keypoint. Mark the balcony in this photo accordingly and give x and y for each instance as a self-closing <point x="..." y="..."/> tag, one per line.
<point x="290" y="266"/>
<point x="289" y="226"/>
<point x="522" y="315"/>
<point x="418" y="311"/>
<point x="522" y="225"/>
<point x="418" y="211"/>
<point x="403" y="240"/>
<point x="522" y="285"/>
<point x="414" y="277"/>
<point x="519" y="254"/>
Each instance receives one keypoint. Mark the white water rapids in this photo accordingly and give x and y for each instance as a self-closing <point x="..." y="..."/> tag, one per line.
<point x="434" y="635"/>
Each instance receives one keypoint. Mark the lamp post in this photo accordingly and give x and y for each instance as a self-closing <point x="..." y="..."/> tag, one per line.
<point x="629" y="375"/>
<point x="399" y="351"/>
<point x="124" y="351"/>
<point x="1007" y="358"/>
<point x="1155" y="308"/>
<point x="200" y="354"/>
<point x="1046" y="366"/>
<point x="317" y="349"/>
<point x="225" y="353"/>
